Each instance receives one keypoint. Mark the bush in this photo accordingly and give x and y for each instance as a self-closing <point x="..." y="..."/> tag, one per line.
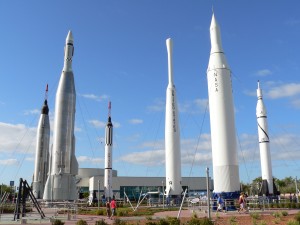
<point x="99" y="212"/>
<point x="57" y="222"/>
<point x="163" y="222"/>
<point x="200" y="221"/>
<point x="173" y="221"/>
<point x="119" y="222"/>
<point x="232" y="220"/>
<point x="81" y="222"/>
<point x="100" y="222"/>
<point x="297" y="217"/>
<point x="262" y="223"/>
<point x="277" y="214"/>
<point x="284" y="213"/>
<point x="293" y="222"/>
<point x="255" y="216"/>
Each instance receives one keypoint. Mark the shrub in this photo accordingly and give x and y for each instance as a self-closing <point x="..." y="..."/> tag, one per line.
<point x="293" y="222"/>
<point x="57" y="222"/>
<point x="173" y="221"/>
<point x="81" y="222"/>
<point x="119" y="222"/>
<point x="232" y="220"/>
<point x="277" y="220"/>
<point x="255" y="216"/>
<point x="100" y="222"/>
<point x="284" y="213"/>
<point x="200" y="221"/>
<point x="163" y="222"/>
<point x="297" y="217"/>
<point x="148" y="217"/>
<point x="277" y="214"/>
<point x="150" y="223"/>
<point x="262" y="223"/>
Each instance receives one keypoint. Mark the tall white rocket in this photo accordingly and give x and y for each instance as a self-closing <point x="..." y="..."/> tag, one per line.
<point x="108" y="156"/>
<point x="172" y="134"/>
<point x="222" y="122"/>
<point x="264" y="144"/>
<point x="61" y="185"/>
<point x="42" y="152"/>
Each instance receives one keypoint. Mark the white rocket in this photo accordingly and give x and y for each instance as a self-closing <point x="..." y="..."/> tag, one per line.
<point x="222" y="123"/>
<point x="42" y="152"/>
<point x="60" y="185"/>
<point x="264" y="144"/>
<point x="108" y="156"/>
<point x="172" y="134"/>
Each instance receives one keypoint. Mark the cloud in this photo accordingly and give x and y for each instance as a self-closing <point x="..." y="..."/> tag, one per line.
<point x="97" y="123"/>
<point x="30" y="159"/>
<point x="86" y="159"/>
<point x="158" y="106"/>
<point x="32" y="112"/>
<point x="146" y="158"/>
<point x="94" y="97"/>
<point x="263" y="72"/>
<point x="17" y="138"/>
<point x="296" y="103"/>
<point x="9" y="162"/>
<point x="284" y="90"/>
<point x="100" y="124"/>
<point x="136" y="121"/>
<point x="293" y="22"/>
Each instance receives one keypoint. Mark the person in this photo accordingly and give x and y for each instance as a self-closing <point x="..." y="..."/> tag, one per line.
<point x="220" y="203"/>
<point x="241" y="202"/>
<point x="113" y="206"/>
<point x="107" y="205"/>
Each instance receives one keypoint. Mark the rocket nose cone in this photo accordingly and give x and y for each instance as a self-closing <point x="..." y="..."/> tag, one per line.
<point x="215" y="36"/>
<point x="69" y="38"/>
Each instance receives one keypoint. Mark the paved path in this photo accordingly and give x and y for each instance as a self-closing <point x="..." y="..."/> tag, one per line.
<point x="91" y="219"/>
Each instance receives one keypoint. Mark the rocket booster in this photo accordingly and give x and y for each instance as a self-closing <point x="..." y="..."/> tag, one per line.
<point x="61" y="184"/>
<point x="222" y="123"/>
<point x="42" y="152"/>
<point x="108" y="156"/>
<point x="172" y="134"/>
<point x="264" y="144"/>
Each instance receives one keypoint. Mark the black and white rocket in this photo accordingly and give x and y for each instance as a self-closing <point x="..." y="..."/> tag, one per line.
<point x="264" y="145"/>
<point x="108" y="156"/>
<point x="42" y="151"/>
<point x="172" y="134"/>
<point x="222" y="122"/>
<point x="61" y="185"/>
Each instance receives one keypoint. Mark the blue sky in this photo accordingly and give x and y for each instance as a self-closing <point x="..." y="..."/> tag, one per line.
<point x="120" y="55"/>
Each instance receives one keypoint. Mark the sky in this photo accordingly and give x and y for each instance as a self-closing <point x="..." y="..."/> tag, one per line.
<point x="121" y="56"/>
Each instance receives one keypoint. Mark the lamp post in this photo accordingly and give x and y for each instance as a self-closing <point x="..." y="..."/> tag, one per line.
<point x="208" y="192"/>
<point x="163" y="191"/>
<point x="98" y="194"/>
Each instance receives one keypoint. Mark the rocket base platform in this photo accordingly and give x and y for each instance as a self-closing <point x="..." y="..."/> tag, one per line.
<point x="60" y="187"/>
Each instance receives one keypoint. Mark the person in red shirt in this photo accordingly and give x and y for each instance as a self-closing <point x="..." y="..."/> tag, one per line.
<point x="113" y="206"/>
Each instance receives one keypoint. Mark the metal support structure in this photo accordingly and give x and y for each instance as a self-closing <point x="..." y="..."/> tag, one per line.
<point x="208" y="192"/>
<point x="178" y="215"/>
<point x="163" y="191"/>
<point x="98" y="194"/>
<point x="24" y="192"/>
<point x="297" y="198"/>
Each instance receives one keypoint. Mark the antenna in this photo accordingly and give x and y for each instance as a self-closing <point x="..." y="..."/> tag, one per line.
<point x="46" y="92"/>
<point x="109" y="108"/>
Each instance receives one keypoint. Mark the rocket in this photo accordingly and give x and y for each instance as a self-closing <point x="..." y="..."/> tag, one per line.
<point x="264" y="145"/>
<point x="172" y="134"/>
<point x="42" y="151"/>
<point x="108" y="156"/>
<point x="61" y="185"/>
<point x="222" y="122"/>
